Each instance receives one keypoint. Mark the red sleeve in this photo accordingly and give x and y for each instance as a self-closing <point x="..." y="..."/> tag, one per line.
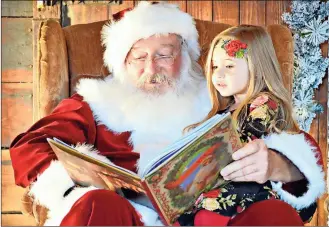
<point x="312" y="141"/>
<point x="71" y="121"/>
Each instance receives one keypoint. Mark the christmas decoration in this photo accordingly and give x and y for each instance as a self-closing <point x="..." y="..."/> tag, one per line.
<point x="308" y="21"/>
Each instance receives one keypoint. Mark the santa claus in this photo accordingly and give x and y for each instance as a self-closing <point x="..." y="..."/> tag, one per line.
<point x="155" y="91"/>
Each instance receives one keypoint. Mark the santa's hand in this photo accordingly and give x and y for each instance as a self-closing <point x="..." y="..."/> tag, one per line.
<point x="251" y="163"/>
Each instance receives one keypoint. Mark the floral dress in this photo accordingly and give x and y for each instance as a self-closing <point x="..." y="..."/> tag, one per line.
<point x="235" y="197"/>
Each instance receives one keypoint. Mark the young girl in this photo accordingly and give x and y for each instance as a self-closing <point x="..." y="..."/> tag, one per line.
<point x="244" y="78"/>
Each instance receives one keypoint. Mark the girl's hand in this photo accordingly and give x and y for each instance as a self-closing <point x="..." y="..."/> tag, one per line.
<point x="253" y="162"/>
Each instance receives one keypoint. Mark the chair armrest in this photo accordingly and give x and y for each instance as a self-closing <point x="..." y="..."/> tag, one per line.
<point x="51" y="81"/>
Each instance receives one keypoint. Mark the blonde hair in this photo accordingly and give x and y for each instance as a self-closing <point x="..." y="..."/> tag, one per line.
<point x="265" y="76"/>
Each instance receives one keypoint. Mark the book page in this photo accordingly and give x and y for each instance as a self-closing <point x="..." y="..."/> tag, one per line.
<point x="177" y="184"/>
<point x="178" y="145"/>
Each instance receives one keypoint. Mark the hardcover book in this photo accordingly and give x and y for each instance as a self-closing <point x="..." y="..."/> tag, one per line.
<point x="172" y="181"/>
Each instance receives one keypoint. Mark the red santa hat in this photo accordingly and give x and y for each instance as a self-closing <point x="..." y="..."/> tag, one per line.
<point x="145" y="20"/>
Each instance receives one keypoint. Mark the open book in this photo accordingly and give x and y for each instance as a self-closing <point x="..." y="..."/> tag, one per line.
<point x="172" y="181"/>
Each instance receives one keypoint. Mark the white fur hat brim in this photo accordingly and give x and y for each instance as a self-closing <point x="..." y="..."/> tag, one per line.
<point x="145" y="20"/>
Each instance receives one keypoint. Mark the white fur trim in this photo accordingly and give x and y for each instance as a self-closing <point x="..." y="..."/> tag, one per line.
<point x="303" y="155"/>
<point x="142" y="22"/>
<point x="149" y="216"/>
<point x="51" y="185"/>
<point x="49" y="191"/>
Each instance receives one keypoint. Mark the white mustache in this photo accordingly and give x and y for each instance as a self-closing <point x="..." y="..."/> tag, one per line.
<point x="155" y="78"/>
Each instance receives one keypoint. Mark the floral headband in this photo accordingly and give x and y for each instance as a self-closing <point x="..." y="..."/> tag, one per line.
<point x="235" y="48"/>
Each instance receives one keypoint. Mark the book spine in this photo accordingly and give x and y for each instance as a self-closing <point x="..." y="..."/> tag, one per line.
<point x="155" y="204"/>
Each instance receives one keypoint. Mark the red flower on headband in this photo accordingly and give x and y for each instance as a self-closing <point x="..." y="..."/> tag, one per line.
<point x="235" y="48"/>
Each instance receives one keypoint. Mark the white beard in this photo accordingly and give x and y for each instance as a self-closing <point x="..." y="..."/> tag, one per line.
<point x="155" y="121"/>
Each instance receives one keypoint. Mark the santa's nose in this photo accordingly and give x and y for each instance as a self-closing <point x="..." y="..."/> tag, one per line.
<point x="150" y="67"/>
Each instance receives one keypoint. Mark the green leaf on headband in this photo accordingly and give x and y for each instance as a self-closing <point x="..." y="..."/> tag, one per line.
<point x="239" y="54"/>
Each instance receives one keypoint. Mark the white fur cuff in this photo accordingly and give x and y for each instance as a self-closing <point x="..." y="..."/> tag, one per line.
<point x="49" y="191"/>
<point x="51" y="185"/>
<point x="303" y="155"/>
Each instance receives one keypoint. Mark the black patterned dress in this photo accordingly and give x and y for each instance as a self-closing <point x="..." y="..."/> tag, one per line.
<point x="235" y="197"/>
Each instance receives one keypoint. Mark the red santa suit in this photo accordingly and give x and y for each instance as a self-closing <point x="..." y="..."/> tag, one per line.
<point x="111" y="119"/>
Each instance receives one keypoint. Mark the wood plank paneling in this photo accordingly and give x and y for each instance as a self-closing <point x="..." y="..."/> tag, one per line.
<point x="16" y="110"/>
<point x="17" y="220"/>
<point x="11" y="193"/>
<point x="17" y="48"/>
<point x="46" y="12"/>
<point x="226" y="12"/>
<point x="274" y="11"/>
<point x="200" y="9"/>
<point x="16" y="98"/>
<point x="252" y="12"/>
<point x="18" y="8"/>
<point x="75" y="13"/>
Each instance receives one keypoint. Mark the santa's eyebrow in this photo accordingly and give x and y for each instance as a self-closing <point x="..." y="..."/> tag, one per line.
<point x="135" y="48"/>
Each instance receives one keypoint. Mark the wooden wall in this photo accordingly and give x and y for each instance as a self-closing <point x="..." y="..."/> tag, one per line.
<point x="16" y="97"/>
<point x="20" y="23"/>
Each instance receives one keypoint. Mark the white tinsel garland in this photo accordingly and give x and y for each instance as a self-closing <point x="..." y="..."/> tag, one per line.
<point x="309" y="23"/>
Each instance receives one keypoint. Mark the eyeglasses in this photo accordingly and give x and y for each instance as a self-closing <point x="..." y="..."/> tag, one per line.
<point x="160" y="61"/>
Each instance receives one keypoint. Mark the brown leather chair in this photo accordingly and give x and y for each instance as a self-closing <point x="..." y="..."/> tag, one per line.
<point x="67" y="54"/>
